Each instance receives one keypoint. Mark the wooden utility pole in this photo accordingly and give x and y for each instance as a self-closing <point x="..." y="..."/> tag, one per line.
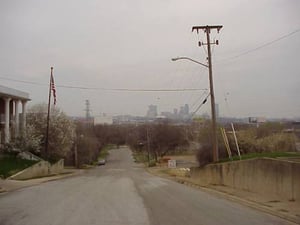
<point x="148" y="145"/>
<point x="207" y="30"/>
<point x="76" y="153"/>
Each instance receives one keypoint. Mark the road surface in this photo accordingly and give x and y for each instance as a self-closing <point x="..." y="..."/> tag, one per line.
<point x="122" y="193"/>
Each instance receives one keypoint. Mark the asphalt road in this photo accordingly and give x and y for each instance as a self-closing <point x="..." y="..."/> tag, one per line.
<point x="122" y="193"/>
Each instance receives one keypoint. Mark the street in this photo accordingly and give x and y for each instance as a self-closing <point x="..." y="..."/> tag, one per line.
<point x="123" y="193"/>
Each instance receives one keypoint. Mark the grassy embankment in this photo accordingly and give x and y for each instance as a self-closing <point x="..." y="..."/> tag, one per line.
<point x="10" y="165"/>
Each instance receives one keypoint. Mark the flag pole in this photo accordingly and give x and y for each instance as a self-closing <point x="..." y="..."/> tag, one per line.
<point x="48" y="115"/>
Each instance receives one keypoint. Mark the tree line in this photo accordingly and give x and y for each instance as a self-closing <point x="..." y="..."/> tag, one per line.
<point x="69" y="139"/>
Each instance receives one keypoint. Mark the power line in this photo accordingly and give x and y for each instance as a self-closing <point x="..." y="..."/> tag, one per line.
<point x="196" y="80"/>
<point x="263" y="45"/>
<point x="197" y="100"/>
<point x="134" y="90"/>
<point x="108" y="89"/>
<point x="204" y="101"/>
<point x="22" y="81"/>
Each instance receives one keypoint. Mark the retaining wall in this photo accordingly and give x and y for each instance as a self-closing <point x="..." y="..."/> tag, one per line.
<point x="57" y="168"/>
<point x="270" y="177"/>
<point x="40" y="169"/>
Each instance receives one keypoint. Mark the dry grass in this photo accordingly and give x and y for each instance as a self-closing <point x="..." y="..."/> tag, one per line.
<point x="276" y="142"/>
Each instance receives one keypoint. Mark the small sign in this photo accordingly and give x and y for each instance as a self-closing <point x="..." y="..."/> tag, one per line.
<point x="171" y="163"/>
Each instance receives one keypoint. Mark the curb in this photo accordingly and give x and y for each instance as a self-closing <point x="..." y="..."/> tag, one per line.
<point x="42" y="180"/>
<point x="249" y="203"/>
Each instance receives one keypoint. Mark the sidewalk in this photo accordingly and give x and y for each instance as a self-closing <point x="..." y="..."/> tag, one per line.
<point x="289" y="210"/>
<point x="12" y="185"/>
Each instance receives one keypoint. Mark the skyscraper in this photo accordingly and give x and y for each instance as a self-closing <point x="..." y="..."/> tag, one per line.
<point x="152" y="111"/>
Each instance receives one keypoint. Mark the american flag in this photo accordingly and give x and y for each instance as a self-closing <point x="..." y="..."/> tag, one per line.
<point x="53" y="88"/>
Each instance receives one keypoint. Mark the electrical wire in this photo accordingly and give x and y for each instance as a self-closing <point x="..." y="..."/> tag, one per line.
<point x="198" y="99"/>
<point x="108" y="89"/>
<point x="226" y="103"/>
<point x="204" y="101"/>
<point x="195" y="79"/>
<point x="263" y="45"/>
<point x="22" y="81"/>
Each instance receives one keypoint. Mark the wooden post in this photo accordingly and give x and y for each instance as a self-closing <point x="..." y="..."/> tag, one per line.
<point x="236" y="141"/>
<point x="226" y="143"/>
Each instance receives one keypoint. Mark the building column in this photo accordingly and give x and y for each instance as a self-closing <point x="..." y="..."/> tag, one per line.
<point x="17" y="119"/>
<point x="6" y="129"/>
<point x="13" y="108"/>
<point x="24" y="116"/>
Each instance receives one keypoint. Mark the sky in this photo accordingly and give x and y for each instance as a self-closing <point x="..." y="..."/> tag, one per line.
<point x="104" y="46"/>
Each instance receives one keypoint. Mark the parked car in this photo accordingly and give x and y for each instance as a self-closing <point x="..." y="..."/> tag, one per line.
<point x="101" y="162"/>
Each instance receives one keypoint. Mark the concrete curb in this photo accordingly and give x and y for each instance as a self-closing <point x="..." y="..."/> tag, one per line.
<point x="246" y="202"/>
<point x="251" y="204"/>
<point x="13" y="185"/>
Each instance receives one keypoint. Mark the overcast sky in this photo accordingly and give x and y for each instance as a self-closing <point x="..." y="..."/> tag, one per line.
<point x="129" y="45"/>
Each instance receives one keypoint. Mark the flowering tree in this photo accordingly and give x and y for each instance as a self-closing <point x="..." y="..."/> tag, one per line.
<point x="61" y="130"/>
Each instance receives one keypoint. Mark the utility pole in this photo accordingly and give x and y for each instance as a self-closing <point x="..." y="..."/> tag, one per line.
<point x="207" y="30"/>
<point x="76" y="153"/>
<point x="148" y="145"/>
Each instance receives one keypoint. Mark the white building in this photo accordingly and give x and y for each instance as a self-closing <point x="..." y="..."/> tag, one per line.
<point x="12" y="120"/>
<point x="103" y="119"/>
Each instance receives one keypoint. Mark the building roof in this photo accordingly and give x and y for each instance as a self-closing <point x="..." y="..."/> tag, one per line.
<point x="13" y="93"/>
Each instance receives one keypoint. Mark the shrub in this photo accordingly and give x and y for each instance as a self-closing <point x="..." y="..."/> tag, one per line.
<point x="249" y="142"/>
<point x="204" y="155"/>
<point x="88" y="145"/>
<point x="152" y="163"/>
